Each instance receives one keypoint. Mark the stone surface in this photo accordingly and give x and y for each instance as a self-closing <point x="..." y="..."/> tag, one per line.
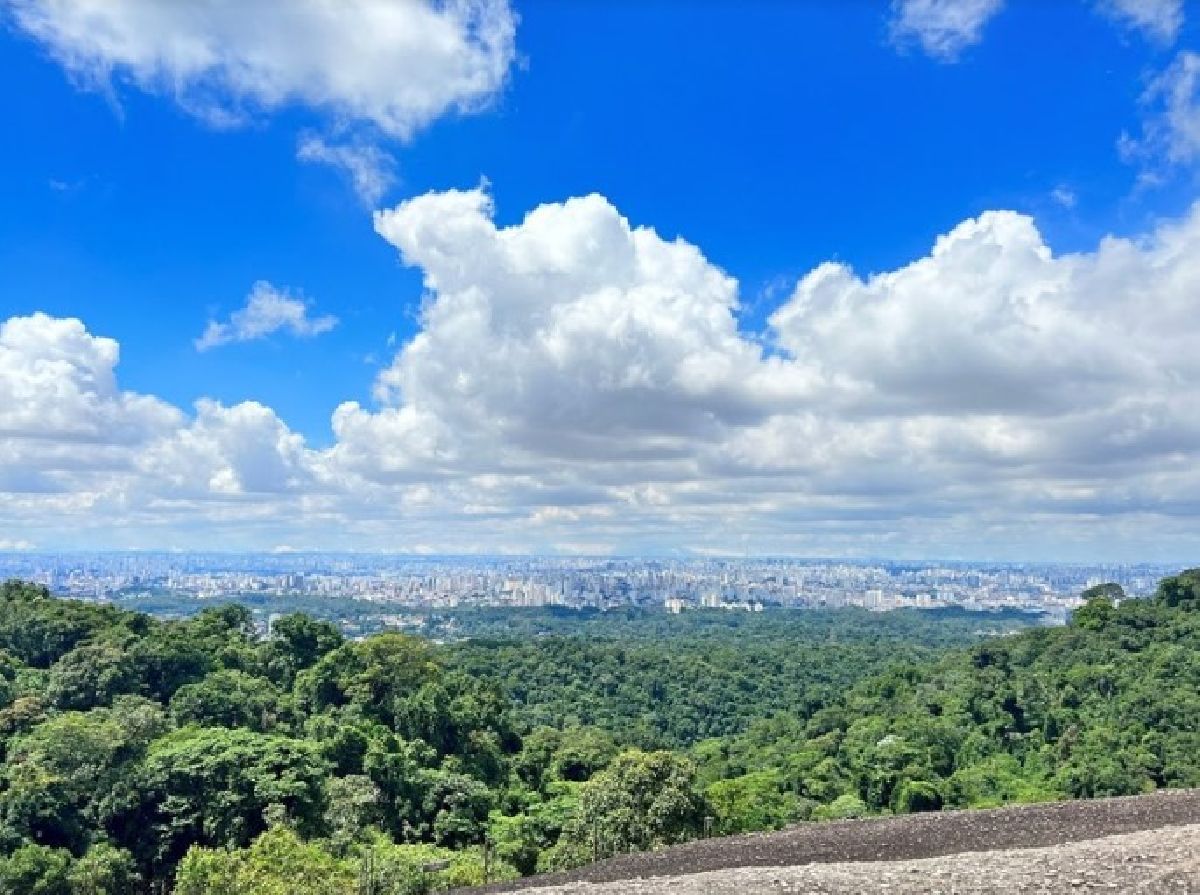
<point x="1155" y="862"/>
<point x="911" y="846"/>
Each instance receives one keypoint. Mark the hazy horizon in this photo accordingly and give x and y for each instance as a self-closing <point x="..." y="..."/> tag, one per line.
<point x="12" y="555"/>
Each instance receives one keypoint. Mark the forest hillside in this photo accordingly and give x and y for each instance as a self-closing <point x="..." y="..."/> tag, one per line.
<point x="201" y="757"/>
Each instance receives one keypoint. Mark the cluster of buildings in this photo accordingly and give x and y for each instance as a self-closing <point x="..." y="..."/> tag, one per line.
<point x="676" y="585"/>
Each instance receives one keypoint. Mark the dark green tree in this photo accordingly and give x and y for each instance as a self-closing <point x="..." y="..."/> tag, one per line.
<point x="230" y="698"/>
<point x="641" y="800"/>
<point x="213" y="787"/>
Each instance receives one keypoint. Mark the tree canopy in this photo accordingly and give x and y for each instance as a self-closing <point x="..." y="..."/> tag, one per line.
<point x="141" y="755"/>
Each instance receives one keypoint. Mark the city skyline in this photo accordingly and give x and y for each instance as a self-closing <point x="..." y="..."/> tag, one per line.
<point x="364" y="593"/>
<point x="497" y="277"/>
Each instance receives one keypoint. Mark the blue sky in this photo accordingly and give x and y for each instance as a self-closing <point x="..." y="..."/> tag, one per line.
<point x="772" y="137"/>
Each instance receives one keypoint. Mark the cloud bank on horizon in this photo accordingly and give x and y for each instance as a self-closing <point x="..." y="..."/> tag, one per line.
<point x="579" y="383"/>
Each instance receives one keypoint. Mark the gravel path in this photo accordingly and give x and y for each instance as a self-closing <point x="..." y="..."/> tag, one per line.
<point x="1157" y="862"/>
<point x="901" y="838"/>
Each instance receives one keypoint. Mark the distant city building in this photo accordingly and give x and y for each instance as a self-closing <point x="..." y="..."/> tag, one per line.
<point x="426" y="584"/>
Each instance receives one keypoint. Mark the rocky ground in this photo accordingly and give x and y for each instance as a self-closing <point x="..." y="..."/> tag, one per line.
<point x="1145" y="844"/>
<point x="1157" y="862"/>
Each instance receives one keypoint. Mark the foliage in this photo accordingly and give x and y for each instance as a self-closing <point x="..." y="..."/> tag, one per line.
<point x="36" y="870"/>
<point x="230" y="698"/>
<point x="104" y="870"/>
<point x="757" y="801"/>
<point x="213" y="787"/>
<point x="130" y="743"/>
<point x="642" y="800"/>
<point x="671" y="681"/>
<point x="1109" y="705"/>
<point x="91" y="675"/>
<point x="278" y="863"/>
<point x="139" y="755"/>
<point x="1181" y="591"/>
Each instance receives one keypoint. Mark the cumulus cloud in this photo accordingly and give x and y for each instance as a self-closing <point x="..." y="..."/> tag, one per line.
<point x="240" y="450"/>
<point x="82" y="458"/>
<point x="571" y="329"/>
<point x="268" y="310"/>
<point x="574" y="361"/>
<point x="988" y="322"/>
<point x="1160" y="20"/>
<point x="577" y="378"/>
<point x="371" y="170"/>
<point x="57" y="382"/>
<point x="942" y="28"/>
<point x="395" y="65"/>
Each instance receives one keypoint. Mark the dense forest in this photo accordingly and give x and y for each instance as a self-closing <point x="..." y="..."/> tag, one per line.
<point x="195" y="756"/>
<point x="660" y="681"/>
<point x="1108" y="705"/>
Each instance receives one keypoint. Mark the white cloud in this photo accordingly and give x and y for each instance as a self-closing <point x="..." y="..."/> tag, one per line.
<point x="1064" y="196"/>
<point x="395" y="64"/>
<point x="572" y="329"/>
<point x="15" y="544"/>
<point x="78" y="451"/>
<point x="57" y="382"/>
<point x="942" y="28"/>
<point x="577" y="379"/>
<point x="1171" y="133"/>
<point x="1158" y="19"/>
<point x="945" y="28"/>
<point x="268" y="310"/>
<point x="372" y="171"/>
<point x="946" y="332"/>
<point x="575" y="361"/>
<point x="245" y="449"/>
